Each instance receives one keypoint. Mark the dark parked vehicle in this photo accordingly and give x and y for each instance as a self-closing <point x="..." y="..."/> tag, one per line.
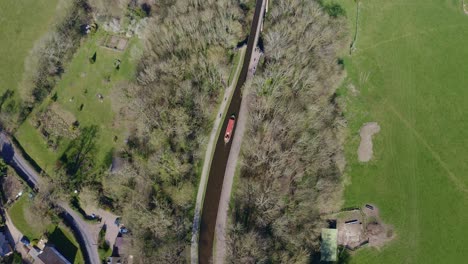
<point x="25" y="241"/>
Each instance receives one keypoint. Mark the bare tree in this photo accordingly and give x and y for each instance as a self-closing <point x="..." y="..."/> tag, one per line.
<point x="289" y="151"/>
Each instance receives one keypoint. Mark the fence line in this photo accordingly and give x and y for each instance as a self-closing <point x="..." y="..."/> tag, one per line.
<point x="345" y="209"/>
<point x="353" y="43"/>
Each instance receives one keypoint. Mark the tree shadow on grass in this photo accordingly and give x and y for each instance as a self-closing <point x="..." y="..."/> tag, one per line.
<point x="79" y="157"/>
<point x="63" y="244"/>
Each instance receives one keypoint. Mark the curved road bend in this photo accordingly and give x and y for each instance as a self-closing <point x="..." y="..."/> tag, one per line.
<point x="8" y="152"/>
<point x="221" y="154"/>
<point x="31" y="176"/>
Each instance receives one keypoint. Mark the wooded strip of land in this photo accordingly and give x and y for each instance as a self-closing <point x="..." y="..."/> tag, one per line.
<point x="185" y="66"/>
<point x="292" y="157"/>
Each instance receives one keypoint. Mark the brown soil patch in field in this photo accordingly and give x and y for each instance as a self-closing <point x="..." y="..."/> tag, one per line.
<point x="365" y="149"/>
<point x="116" y="43"/>
<point x="354" y="91"/>
<point x="55" y="122"/>
<point x="377" y="232"/>
<point x="65" y="115"/>
<point x="351" y="230"/>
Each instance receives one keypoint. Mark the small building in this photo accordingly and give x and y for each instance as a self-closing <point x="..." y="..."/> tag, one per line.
<point x="120" y="252"/>
<point x="329" y="247"/>
<point x="50" y="255"/>
<point x="5" y="248"/>
<point x="120" y="246"/>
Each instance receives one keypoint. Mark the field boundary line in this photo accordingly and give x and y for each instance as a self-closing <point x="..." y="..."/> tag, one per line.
<point x="458" y="184"/>
<point x="352" y="47"/>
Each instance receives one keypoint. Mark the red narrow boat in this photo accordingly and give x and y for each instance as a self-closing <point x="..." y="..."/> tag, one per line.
<point x="230" y="127"/>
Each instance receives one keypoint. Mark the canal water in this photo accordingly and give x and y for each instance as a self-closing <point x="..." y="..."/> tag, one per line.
<point x="221" y="154"/>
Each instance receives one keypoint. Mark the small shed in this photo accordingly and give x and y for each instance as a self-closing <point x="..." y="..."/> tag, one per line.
<point x="329" y="247"/>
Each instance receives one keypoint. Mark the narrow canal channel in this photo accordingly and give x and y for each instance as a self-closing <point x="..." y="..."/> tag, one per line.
<point x="221" y="154"/>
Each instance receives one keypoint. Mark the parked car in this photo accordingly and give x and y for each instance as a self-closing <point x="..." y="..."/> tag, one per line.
<point x="25" y="241"/>
<point x="123" y="230"/>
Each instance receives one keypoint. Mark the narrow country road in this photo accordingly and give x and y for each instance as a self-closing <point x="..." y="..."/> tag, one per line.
<point x="13" y="158"/>
<point x="82" y="232"/>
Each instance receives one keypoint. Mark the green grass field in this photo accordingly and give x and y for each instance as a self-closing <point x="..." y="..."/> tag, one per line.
<point x="81" y="84"/>
<point x="24" y="225"/>
<point x="411" y="72"/>
<point x="22" y="23"/>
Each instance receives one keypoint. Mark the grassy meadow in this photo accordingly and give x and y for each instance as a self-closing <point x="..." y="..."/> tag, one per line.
<point x="21" y="217"/>
<point x="410" y="72"/>
<point x="77" y="97"/>
<point x="23" y="22"/>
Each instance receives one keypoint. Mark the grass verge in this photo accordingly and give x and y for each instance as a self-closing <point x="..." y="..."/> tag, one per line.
<point x="18" y="217"/>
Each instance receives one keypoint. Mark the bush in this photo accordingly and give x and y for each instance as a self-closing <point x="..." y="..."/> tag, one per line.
<point x="335" y="10"/>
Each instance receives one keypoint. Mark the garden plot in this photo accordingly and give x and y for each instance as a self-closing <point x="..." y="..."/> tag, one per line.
<point x="115" y="42"/>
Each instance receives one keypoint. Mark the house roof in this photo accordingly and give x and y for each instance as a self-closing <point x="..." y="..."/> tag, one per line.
<point x="121" y="246"/>
<point x="51" y="256"/>
<point x="119" y="241"/>
<point x="329" y="245"/>
<point x="34" y="253"/>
